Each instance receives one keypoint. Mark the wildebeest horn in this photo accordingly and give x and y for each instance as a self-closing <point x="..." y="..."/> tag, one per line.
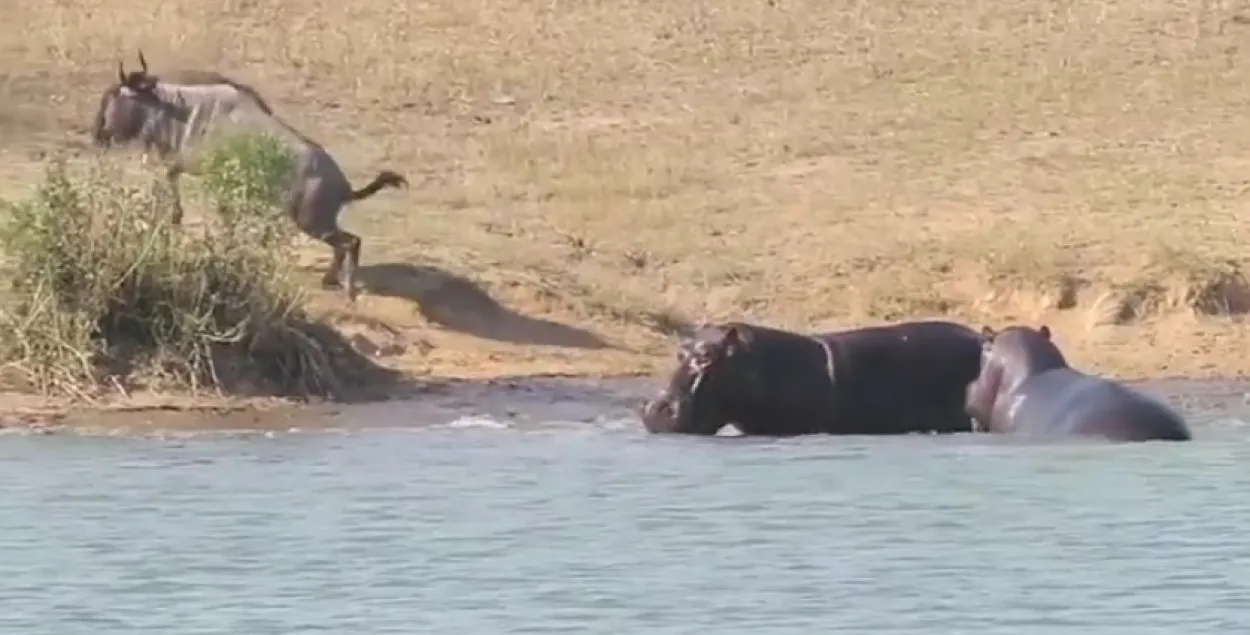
<point x="143" y="63"/>
<point x="121" y="72"/>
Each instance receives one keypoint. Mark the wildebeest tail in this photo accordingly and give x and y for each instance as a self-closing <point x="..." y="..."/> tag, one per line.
<point x="384" y="179"/>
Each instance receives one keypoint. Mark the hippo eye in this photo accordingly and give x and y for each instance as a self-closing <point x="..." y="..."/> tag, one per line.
<point x="702" y="359"/>
<point x="703" y="353"/>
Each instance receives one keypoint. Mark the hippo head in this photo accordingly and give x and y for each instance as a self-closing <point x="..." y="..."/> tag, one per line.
<point x="1007" y="357"/>
<point x="712" y="368"/>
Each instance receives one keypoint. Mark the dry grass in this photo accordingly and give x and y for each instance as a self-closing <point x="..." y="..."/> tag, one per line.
<point x="624" y="166"/>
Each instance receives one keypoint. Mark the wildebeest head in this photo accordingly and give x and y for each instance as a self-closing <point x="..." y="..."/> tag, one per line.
<point x="713" y="367"/>
<point x="1008" y="357"/>
<point x="127" y="107"/>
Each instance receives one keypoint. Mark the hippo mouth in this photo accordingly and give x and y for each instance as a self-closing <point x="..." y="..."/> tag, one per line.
<point x="672" y="409"/>
<point x="657" y="409"/>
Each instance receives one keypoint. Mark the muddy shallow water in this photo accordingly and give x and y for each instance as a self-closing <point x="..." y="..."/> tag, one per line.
<point x="542" y="507"/>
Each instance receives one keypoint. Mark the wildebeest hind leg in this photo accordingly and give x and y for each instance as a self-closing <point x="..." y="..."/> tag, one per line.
<point x="346" y="247"/>
<point x="351" y="244"/>
<point x="316" y="217"/>
<point x="331" y="278"/>
<point x="301" y="207"/>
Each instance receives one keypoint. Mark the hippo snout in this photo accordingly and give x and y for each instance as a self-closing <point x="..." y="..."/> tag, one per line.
<point x="658" y="415"/>
<point x="653" y="408"/>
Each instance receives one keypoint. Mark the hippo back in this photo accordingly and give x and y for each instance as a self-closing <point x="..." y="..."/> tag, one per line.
<point x="901" y="378"/>
<point x="1068" y="401"/>
<point x="791" y="392"/>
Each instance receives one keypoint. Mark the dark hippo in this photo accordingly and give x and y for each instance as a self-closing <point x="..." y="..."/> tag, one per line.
<point x="894" y="379"/>
<point x="1026" y="386"/>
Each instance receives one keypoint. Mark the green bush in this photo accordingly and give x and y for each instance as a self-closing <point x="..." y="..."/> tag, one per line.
<point x="248" y="177"/>
<point x="106" y="292"/>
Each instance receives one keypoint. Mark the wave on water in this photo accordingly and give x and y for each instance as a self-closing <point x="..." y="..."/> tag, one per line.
<point x="23" y="431"/>
<point x="529" y="424"/>
<point x="478" y="422"/>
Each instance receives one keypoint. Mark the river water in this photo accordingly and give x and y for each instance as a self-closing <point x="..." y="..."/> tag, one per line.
<point x="544" y="508"/>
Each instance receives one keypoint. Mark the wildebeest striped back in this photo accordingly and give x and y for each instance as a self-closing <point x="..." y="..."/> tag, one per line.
<point x="191" y="112"/>
<point x="193" y="77"/>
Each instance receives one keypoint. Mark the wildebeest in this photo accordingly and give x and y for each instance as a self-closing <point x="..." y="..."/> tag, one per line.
<point x="1026" y="386"/>
<point x="890" y="379"/>
<point x="175" y="115"/>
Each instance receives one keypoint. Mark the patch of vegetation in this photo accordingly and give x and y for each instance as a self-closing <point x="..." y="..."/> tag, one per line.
<point x="246" y="176"/>
<point x="1015" y="265"/>
<point x="105" y="292"/>
<point x="1182" y="279"/>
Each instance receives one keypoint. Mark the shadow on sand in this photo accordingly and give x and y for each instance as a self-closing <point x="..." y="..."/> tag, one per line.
<point x="459" y="304"/>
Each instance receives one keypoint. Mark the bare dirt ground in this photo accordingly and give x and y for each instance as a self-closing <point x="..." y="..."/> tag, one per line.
<point x="588" y="176"/>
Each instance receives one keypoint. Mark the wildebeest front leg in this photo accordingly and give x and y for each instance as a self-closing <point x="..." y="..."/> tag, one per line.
<point x="172" y="173"/>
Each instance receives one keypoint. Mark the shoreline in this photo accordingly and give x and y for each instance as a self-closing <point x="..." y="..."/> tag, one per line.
<point x="174" y="412"/>
<point x="458" y="372"/>
<point x="24" y="410"/>
<point x="1180" y="348"/>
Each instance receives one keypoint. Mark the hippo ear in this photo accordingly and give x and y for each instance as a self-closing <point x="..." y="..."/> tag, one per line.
<point x="738" y="338"/>
<point x="121" y="72"/>
<point x="987" y="334"/>
<point x="683" y="348"/>
<point x="1045" y="331"/>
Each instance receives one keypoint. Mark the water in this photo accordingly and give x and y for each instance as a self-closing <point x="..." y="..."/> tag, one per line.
<point x="571" y="520"/>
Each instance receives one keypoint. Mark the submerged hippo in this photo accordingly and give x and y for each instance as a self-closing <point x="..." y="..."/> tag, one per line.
<point x="895" y="379"/>
<point x="1026" y="386"/>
